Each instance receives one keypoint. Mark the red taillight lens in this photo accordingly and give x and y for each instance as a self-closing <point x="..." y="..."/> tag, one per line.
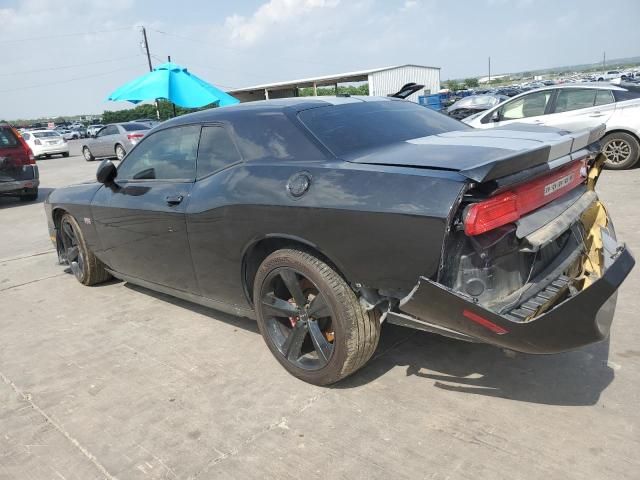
<point x="29" y="158"/>
<point x="135" y="136"/>
<point x="507" y="207"/>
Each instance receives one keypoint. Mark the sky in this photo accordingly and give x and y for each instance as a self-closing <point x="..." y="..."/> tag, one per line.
<point x="65" y="57"/>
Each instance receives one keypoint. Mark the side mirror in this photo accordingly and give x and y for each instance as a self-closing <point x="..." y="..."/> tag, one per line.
<point x="106" y="172"/>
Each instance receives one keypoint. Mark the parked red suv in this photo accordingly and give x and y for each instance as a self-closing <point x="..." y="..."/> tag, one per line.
<point x="18" y="169"/>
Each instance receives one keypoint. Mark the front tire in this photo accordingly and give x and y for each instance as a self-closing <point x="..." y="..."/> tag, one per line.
<point x="65" y="154"/>
<point x="88" y="156"/>
<point x="85" y="266"/>
<point x="310" y="318"/>
<point x="621" y="150"/>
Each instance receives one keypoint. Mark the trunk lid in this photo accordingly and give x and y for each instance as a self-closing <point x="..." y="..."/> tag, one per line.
<point x="484" y="155"/>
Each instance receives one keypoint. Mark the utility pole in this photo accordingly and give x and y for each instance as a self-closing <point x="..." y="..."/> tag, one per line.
<point x="489" y="71"/>
<point x="146" y="47"/>
<point x="174" y="105"/>
<point x="604" y="62"/>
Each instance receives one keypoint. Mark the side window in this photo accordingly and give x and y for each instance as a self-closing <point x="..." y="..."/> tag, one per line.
<point x="216" y="151"/>
<point x="165" y="155"/>
<point x="604" y="97"/>
<point x="111" y="130"/>
<point x="272" y="135"/>
<point x="569" y="99"/>
<point x="531" y="105"/>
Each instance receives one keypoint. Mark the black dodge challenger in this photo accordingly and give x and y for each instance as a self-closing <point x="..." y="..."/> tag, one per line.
<point x="323" y="218"/>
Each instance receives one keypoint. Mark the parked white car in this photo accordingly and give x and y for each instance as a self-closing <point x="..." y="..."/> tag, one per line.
<point x="575" y="107"/>
<point x="44" y="143"/>
<point x="610" y="75"/>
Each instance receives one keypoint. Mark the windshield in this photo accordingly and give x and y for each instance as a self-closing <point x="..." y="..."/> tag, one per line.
<point x="347" y="128"/>
<point x="132" y="127"/>
<point x="45" y="134"/>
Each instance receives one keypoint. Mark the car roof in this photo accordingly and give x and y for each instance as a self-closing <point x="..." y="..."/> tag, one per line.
<point x="296" y="104"/>
<point x="41" y="130"/>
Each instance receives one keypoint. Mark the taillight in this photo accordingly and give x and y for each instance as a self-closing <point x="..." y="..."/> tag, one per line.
<point x="37" y="142"/>
<point x="135" y="136"/>
<point x="507" y="207"/>
<point x="30" y="159"/>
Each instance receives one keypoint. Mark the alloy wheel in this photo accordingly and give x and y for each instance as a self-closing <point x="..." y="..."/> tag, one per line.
<point x="298" y="319"/>
<point x="86" y="153"/>
<point x="72" y="253"/>
<point x="120" y="153"/>
<point x="617" y="151"/>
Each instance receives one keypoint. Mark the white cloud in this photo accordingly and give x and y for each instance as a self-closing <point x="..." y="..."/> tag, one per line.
<point x="275" y="12"/>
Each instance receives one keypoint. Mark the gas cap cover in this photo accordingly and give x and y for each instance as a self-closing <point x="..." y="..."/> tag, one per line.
<point x="298" y="184"/>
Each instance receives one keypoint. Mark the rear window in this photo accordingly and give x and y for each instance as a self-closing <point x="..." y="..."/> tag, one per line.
<point x="7" y="138"/>
<point x="351" y="127"/>
<point x="45" y="134"/>
<point x="132" y="127"/>
<point x="630" y="94"/>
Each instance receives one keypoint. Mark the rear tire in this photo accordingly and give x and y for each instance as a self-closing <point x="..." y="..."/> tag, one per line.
<point x="621" y="150"/>
<point x="120" y="152"/>
<point x="88" y="270"/>
<point x="88" y="156"/>
<point x="336" y="339"/>
<point x="65" y="155"/>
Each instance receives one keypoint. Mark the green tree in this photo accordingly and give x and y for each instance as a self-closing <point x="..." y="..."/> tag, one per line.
<point x="453" y="85"/>
<point x="148" y="111"/>
<point x="471" y="82"/>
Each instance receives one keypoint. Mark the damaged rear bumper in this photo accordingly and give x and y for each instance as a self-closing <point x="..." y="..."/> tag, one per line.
<point x="584" y="317"/>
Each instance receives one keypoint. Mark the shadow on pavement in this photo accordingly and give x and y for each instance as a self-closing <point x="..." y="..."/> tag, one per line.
<point x="572" y="378"/>
<point x="8" y="202"/>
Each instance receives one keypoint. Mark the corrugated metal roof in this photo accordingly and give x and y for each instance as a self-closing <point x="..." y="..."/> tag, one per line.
<point x="357" y="76"/>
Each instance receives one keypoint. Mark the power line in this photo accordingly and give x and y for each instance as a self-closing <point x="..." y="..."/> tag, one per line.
<point x="59" y="82"/>
<point x="221" y="47"/>
<point x="63" y="35"/>
<point x="64" y="67"/>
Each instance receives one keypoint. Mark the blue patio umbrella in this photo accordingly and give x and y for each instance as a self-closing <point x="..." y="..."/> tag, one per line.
<point x="174" y="83"/>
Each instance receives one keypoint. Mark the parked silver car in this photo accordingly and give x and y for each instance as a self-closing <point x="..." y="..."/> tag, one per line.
<point x="113" y="140"/>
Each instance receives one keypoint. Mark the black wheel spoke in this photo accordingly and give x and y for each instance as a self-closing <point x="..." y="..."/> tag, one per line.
<point x="66" y="227"/>
<point x="72" y="254"/>
<point x="292" y="347"/>
<point x="318" y="308"/>
<point x="292" y="283"/>
<point x="277" y="307"/>
<point x="320" y="343"/>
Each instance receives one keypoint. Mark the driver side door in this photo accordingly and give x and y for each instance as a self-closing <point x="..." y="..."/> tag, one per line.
<point x="140" y="219"/>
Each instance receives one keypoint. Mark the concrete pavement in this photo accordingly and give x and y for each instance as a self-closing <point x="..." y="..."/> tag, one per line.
<point x="115" y="381"/>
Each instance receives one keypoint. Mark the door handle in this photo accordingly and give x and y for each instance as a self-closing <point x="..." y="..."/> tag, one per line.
<point x="174" y="199"/>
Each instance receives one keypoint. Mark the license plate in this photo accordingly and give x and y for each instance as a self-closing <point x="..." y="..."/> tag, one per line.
<point x="558" y="184"/>
<point x="52" y="142"/>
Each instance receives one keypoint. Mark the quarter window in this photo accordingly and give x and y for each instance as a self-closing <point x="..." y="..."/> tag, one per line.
<point x="165" y="155"/>
<point x="574" y="99"/>
<point x="531" y="105"/>
<point x="216" y="151"/>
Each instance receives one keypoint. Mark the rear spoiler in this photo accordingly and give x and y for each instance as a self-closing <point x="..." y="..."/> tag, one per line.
<point x="568" y="148"/>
